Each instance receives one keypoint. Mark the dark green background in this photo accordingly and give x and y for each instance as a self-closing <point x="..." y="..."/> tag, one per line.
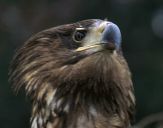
<point x="141" y="24"/>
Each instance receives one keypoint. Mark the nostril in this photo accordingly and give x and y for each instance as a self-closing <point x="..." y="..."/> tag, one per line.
<point x="102" y="30"/>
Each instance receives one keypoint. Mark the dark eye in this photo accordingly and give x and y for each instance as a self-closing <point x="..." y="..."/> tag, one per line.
<point x="79" y="35"/>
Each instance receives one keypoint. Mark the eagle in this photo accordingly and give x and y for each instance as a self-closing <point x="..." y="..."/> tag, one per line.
<point x="76" y="76"/>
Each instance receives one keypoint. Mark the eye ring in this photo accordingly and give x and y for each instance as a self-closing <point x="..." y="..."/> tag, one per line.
<point x="79" y="34"/>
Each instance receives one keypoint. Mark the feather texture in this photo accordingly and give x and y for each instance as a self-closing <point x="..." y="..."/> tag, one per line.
<point x="71" y="89"/>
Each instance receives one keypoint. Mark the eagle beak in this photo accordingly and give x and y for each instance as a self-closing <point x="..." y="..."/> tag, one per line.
<point x="109" y="37"/>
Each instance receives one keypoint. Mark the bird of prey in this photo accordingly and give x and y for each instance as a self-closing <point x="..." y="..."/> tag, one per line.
<point x="76" y="76"/>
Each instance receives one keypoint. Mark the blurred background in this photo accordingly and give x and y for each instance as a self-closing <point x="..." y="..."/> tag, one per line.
<point x="141" y="24"/>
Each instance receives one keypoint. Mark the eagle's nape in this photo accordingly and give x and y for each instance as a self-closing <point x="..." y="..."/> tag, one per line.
<point x="76" y="76"/>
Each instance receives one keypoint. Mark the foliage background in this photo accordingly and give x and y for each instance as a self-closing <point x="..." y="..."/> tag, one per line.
<point x="141" y="24"/>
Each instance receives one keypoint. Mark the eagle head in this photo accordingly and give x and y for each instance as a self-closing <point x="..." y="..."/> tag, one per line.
<point x="76" y="76"/>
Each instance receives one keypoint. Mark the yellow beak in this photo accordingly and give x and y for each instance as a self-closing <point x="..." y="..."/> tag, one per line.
<point x="87" y="47"/>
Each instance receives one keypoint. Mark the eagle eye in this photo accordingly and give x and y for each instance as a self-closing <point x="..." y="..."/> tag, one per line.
<point x="79" y="34"/>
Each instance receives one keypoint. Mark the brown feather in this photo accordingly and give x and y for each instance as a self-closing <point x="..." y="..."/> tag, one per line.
<point x="70" y="90"/>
